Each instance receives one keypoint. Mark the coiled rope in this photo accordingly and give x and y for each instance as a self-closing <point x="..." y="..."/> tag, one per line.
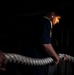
<point x="20" y="59"/>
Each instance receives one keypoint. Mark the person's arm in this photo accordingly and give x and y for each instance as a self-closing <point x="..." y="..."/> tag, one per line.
<point x="50" y="50"/>
<point x="2" y="61"/>
<point x="45" y="40"/>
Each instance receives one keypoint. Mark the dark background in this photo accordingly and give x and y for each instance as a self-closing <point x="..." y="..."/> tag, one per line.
<point x="17" y="16"/>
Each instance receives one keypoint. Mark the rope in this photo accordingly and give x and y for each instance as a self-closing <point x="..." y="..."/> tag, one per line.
<point x="20" y="59"/>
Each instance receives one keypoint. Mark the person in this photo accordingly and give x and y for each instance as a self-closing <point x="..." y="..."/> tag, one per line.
<point x="2" y="61"/>
<point x="38" y="43"/>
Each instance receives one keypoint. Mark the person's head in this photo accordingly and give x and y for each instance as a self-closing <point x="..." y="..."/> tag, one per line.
<point x="54" y="17"/>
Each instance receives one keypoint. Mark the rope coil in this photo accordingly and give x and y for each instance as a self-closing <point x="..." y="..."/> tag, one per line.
<point x="16" y="58"/>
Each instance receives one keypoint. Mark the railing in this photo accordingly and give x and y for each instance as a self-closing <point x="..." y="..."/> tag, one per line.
<point x="63" y="68"/>
<point x="16" y="58"/>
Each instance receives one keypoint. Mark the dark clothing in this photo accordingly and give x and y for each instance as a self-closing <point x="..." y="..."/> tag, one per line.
<point x="38" y="34"/>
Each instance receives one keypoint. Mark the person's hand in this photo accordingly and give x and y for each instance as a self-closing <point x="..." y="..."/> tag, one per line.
<point x="57" y="60"/>
<point x="65" y="58"/>
<point x="2" y="61"/>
